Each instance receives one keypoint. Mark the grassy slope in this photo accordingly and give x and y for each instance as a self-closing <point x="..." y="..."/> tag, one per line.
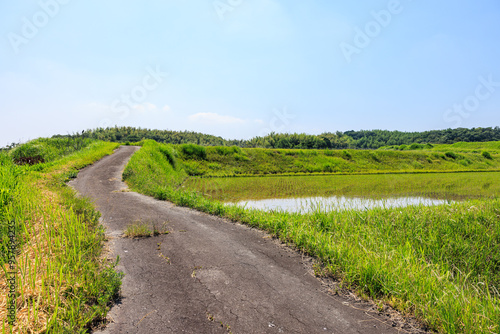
<point x="474" y="147"/>
<point x="63" y="285"/>
<point x="223" y="161"/>
<point x="440" y="263"/>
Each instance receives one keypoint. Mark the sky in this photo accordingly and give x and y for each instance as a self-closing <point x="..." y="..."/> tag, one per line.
<point x="244" y="68"/>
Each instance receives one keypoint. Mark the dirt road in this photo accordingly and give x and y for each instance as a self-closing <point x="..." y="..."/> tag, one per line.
<point x="209" y="275"/>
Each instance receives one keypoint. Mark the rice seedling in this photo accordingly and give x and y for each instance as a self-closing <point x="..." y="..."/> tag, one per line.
<point x="446" y="186"/>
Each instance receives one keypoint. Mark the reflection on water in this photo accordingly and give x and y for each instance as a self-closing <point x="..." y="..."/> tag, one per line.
<point x="337" y="203"/>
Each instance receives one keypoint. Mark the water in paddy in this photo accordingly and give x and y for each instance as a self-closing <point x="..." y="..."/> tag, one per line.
<point x="336" y="192"/>
<point x="336" y="203"/>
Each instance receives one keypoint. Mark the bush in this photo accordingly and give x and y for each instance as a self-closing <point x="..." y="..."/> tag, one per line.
<point x="48" y="149"/>
<point x="170" y="154"/>
<point x="29" y="154"/>
<point x="346" y="155"/>
<point x="487" y="155"/>
<point x="416" y="146"/>
<point x="329" y="168"/>
<point x="225" y="150"/>
<point x="193" y="151"/>
<point x="403" y="147"/>
<point x="374" y="156"/>
<point x="241" y="157"/>
<point x="451" y="155"/>
<point x="329" y="153"/>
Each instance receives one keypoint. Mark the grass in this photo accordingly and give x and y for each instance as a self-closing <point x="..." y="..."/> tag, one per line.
<point x="234" y="161"/>
<point x="64" y="285"/>
<point x="142" y="230"/>
<point x="440" y="263"/>
<point x="471" y="147"/>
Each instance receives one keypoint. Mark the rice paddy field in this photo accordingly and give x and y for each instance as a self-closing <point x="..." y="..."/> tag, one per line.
<point x="447" y="186"/>
<point x="439" y="263"/>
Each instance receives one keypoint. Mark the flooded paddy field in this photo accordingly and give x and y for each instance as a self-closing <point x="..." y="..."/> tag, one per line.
<point x="339" y="192"/>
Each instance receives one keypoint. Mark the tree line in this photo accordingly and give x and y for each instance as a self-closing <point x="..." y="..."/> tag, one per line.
<point x="363" y="139"/>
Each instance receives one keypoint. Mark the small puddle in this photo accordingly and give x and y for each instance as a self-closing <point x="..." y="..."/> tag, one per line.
<point x="336" y="203"/>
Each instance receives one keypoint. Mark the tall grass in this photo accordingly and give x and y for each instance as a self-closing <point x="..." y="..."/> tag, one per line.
<point x="48" y="149"/>
<point x="64" y="285"/>
<point x="439" y="263"/>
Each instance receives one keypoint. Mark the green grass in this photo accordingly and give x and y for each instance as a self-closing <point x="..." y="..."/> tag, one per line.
<point x="440" y="263"/>
<point x="466" y="147"/>
<point x="224" y="161"/>
<point x="48" y="149"/>
<point x="64" y="285"/>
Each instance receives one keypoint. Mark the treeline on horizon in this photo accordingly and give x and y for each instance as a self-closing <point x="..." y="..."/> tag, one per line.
<point x="363" y="139"/>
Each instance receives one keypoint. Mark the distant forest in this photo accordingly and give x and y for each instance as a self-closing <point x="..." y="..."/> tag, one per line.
<point x="363" y="139"/>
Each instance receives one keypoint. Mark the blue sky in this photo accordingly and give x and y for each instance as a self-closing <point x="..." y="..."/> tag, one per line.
<point x="242" y="68"/>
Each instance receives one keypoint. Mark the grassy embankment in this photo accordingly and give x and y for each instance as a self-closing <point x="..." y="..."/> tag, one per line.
<point x="474" y="147"/>
<point x="439" y="263"/>
<point x="63" y="285"/>
<point x="235" y="161"/>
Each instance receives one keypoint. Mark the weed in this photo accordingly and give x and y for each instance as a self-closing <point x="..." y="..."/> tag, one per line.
<point x="193" y="274"/>
<point x="142" y="230"/>
<point x="137" y="230"/>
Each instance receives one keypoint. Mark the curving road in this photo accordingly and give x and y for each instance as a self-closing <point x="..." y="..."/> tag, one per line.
<point x="209" y="275"/>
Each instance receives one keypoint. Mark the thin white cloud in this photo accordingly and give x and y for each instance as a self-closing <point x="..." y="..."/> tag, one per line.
<point x="214" y="118"/>
<point x="144" y="107"/>
<point x="210" y="117"/>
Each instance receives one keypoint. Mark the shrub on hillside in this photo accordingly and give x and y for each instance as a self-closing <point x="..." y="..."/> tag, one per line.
<point x="374" y="156"/>
<point x="193" y="151"/>
<point x="487" y="155"/>
<point x="29" y="154"/>
<point x="416" y="146"/>
<point x="451" y="155"/>
<point x="346" y="155"/>
<point x="170" y="154"/>
<point x="227" y="150"/>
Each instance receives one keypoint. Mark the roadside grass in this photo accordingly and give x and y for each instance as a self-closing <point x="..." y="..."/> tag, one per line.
<point x="440" y="263"/>
<point x="48" y="149"/>
<point x="235" y="161"/>
<point x="63" y="282"/>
